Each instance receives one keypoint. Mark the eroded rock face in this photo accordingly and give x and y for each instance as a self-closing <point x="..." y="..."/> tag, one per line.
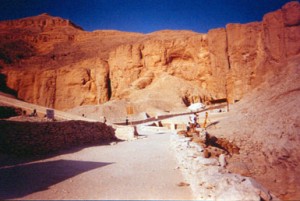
<point x="185" y="57"/>
<point x="233" y="59"/>
<point x="219" y="61"/>
<point x="52" y="62"/>
<point x="64" y="87"/>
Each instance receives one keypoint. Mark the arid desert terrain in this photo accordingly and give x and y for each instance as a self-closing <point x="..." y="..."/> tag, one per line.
<point x="121" y="110"/>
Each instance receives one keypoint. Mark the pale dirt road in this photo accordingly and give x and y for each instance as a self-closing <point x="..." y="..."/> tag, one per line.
<point x="10" y="101"/>
<point x="140" y="169"/>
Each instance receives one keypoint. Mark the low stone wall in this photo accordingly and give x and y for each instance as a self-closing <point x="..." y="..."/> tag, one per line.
<point x="126" y="132"/>
<point x="36" y="138"/>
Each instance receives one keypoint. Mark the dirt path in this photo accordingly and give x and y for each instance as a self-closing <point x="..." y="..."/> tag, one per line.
<point x="40" y="109"/>
<point x="140" y="169"/>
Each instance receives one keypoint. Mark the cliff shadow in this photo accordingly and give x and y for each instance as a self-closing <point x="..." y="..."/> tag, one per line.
<point x="213" y="124"/>
<point x="19" y="181"/>
<point x="15" y="160"/>
<point x="4" y="88"/>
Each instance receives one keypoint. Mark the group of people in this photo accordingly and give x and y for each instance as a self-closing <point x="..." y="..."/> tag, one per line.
<point x="194" y="123"/>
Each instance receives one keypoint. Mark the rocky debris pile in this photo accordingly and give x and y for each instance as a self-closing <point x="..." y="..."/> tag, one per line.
<point x="208" y="177"/>
<point x="37" y="138"/>
<point x="212" y="145"/>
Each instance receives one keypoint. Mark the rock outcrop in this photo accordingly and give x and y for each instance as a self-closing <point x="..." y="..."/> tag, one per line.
<point x="61" y="70"/>
<point x="52" y="62"/>
<point x="181" y="54"/>
<point x="63" y="87"/>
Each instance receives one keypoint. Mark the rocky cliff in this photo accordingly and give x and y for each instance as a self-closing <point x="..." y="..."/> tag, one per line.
<point x="52" y="62"/>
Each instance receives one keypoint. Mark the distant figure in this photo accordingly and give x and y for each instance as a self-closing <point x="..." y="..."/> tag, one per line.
<point x="196" y="118"/>
<point x="83" y="115"/>
<point x="126" y="121"/>
<point x="104" y="120"/>
<point x="205" y="120"/>
<point x="196" y="121"/>
<point x="33" y="114"/>
<point x="193" y="118"/>
<point x="188" y="128"/>
<point x="192" y="122"/>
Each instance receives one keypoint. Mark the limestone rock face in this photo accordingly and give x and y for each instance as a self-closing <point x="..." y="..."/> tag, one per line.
<point x="185" y="57"/>
<point x="219" y="61"/>
<point x="42" y="22"/>
<point x="291" y="15"/>
<point x="245" y="51"/>
<point x="64" y="87"/>
<point x="53" y="62"/>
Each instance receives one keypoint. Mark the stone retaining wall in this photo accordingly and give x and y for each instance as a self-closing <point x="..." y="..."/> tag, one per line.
<point x="35" y="138"/>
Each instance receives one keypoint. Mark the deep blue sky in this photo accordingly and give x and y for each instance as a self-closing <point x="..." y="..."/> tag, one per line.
<point x="144" y="15"/>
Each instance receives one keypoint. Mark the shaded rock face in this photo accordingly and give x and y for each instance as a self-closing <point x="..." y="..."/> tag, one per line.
<point x="52" y="62"/>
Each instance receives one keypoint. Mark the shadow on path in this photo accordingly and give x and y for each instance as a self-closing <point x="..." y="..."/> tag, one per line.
<point x="212" y="124"/>
<point x="19" y="181"/>
<point x="13" y="160"/>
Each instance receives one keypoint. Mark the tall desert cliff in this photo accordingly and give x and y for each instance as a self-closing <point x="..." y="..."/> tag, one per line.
<point x="53" y="62"/>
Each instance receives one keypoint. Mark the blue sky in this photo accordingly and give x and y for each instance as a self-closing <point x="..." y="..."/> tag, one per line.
<point x="144" y="16"/>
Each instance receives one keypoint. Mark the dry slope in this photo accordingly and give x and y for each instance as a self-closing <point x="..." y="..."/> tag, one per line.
<point x="266" y="126"/>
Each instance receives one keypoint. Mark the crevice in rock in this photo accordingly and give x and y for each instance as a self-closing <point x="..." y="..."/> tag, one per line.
<point x="109" y="89"/>
<point x="53" y="99"/>
<point x="186" y="101"/>
<point x="228" y="57"/>
<point x="4" y="88"/>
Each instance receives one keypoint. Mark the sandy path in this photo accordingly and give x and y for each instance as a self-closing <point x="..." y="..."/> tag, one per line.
<point x="141" y="169"/>
<point x="40" y="109"/>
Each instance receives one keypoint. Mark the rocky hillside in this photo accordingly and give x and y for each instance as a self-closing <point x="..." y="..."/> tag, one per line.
<point x="52" y="62"/>
<point x="266" y="126"/>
